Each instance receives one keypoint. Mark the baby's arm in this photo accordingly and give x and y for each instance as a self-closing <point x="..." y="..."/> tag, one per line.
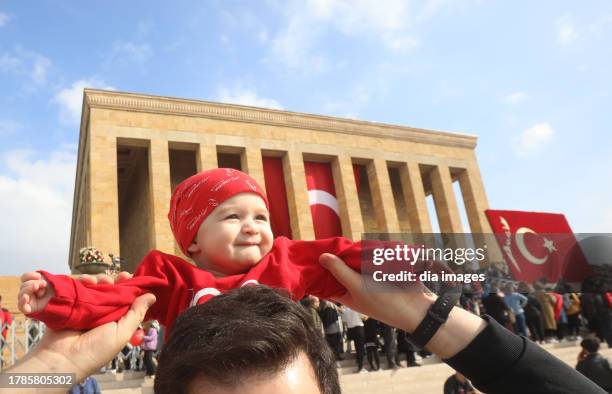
<point x="35" y="293"/>
<point x="82" y="306"/>
<point x="304" y="259"/>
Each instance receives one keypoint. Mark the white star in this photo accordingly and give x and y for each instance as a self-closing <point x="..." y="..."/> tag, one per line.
<point x="548" y="244"/>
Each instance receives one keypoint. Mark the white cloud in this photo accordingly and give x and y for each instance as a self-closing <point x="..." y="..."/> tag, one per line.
<point x="36" y="209"/>
<point x="566" y="31"/>
<point x="70" y="99"/>
<point x="242" y="96"/>
<point x="392" y="25"/>
<point x="30" y="64"/>
<point x="516" y="98"/>
<point x="4" y="18"/>
<point x="533" y="139"/>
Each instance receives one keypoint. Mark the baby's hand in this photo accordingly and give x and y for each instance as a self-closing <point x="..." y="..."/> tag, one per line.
<point x="35" y="293"/>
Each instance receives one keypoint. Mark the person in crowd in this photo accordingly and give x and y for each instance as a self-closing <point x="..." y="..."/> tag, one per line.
<point x="516" y="302"/>
<point x="547" y="305"/>
<point x="389" y="344"/>
<point x="560" y="306"/>
<point x="372" y="343"/>
<point x="492" y="358"/>
<point x="355" y="333"/>
<point x="591" y="303"/>
<point x="533" y="312"/>
<point x="6" y="319"/>
<point x="572" y="311"/>
<point x="89" y="386"/>
<point x="458" y="384"/>
<point x="328" y="311"/>
<point x="312" y="304"/>
<point x="495" y="307"/>
<point x="604" y="313"/>
<point x="593" y="365"/>
<point x="404" y="347"/>
<point x="149" y="346"/>
<point x="469" y="298"/>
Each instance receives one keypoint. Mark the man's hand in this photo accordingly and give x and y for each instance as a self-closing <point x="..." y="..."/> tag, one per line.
<point x="105" y="279"/>
<point x="83" y="353"/>
<point x="401" y="309"/>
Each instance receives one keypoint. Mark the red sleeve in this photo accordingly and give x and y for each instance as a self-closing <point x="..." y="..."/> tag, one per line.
<point x="80" y="306"/>
<point x="315" y="279"/>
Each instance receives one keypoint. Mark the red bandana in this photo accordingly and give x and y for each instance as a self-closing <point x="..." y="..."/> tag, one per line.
<point x="197" y="196"/>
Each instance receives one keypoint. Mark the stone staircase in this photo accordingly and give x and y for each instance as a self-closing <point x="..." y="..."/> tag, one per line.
<point x="427" y="379"/>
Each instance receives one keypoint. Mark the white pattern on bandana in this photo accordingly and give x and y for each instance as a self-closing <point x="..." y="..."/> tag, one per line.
<point x="222" y="183"/>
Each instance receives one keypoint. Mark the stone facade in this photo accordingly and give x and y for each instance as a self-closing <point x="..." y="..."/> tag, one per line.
<point x="133" y="149"/>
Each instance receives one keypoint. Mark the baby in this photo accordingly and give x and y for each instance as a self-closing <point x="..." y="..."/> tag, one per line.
<point x="220" y="219"/>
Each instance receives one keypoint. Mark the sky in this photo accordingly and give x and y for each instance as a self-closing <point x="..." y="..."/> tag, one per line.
<point x="531" y="79"/>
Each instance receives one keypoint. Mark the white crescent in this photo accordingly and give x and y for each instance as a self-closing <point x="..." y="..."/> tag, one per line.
<point x="202" y="293"/>
<point x="323" y="198"/>
<point x="520" y="243"/>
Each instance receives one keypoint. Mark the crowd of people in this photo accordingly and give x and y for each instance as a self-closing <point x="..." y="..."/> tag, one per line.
<point x="140" y="353"/>
<point x="346" y="329"/>
<point x="545" y="312"/>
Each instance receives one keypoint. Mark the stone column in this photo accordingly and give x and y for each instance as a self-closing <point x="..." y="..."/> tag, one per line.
<point x="160" y="189"/>
<point x="348" y="199"/>
<point x="444" y="198"/>
<point x="475" y="199"/>
<point x="297" y="196"/>
<point x="206" y="157"/>
<point x="476" y="203"/>
<point x="382" y="196"/>
<point x="103" y="192"/>
<point x="252" y="163"/>
<point x="414" y="196"/>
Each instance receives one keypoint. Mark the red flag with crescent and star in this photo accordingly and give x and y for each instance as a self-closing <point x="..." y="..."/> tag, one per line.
<point x="537" y="245"/>
<point x="322" y="199"/>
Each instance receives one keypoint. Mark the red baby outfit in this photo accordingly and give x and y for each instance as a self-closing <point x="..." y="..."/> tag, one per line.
<point x="177" y="284"/>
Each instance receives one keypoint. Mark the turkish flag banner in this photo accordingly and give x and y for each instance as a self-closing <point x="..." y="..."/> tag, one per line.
<point x="538" y="245"/>
<point x="322" y="199"/>
<point x="277" y="196"/>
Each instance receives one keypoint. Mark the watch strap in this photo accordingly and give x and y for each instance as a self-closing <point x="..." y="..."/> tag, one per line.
<point x="436" y="315"/>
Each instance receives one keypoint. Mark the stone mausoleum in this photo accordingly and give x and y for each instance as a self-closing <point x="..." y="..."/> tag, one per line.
<point x="134" y="149"/>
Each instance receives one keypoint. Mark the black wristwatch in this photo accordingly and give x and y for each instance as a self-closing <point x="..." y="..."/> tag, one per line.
<point x="436" y="315"/>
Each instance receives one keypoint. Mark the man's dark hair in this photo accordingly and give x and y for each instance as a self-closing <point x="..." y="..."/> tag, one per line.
<point x="247" y="332"/>
<point x="591" y="344"/>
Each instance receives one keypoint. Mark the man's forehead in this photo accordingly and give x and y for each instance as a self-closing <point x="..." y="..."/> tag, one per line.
<point x="297" y="377"/>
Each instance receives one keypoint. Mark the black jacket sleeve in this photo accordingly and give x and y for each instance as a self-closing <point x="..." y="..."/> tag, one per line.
<point x="498" y="361"/>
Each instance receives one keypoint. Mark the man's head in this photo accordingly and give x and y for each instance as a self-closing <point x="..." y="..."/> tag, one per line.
<point x="590" y="344"/>
<point x="249" y="340"/>
<point x="242" y="233"/>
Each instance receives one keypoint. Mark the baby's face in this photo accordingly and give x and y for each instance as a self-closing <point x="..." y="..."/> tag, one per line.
<point x="234" y="237"/>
